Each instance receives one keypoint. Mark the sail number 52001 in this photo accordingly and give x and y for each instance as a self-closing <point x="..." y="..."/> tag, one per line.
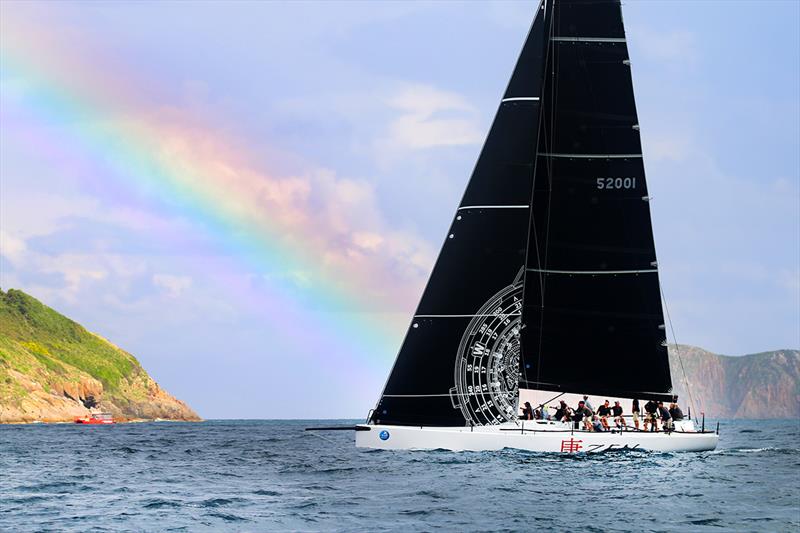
<point x="616" y="183"/>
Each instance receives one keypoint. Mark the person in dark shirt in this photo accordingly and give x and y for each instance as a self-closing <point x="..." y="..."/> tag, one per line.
<point x="562" y="413"/>
<point x="603" y="411"/>
<point x="619" y="420"/>
<point x="583" y="414"/>
<point x="666" y="419"/>
<point x="635" y="412"/>
<point x="527" y="412"/>
<point x="675" y="412"/>
<point x="651" y="417"/>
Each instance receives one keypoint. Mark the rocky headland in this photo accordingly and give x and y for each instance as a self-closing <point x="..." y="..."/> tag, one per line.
<point x="761" y="385"/>
<point x="53" y="370"/>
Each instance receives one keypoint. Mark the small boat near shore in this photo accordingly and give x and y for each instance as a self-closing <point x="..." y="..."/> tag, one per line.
<point x="96" y="418"/>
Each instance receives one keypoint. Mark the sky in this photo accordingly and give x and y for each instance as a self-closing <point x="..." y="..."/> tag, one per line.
<point x="249" y="196"/>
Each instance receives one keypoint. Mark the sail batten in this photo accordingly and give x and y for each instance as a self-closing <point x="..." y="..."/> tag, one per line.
<point x="589" y="39"/>
<point x="592" y="272"/>
<point x="590" y="156"/>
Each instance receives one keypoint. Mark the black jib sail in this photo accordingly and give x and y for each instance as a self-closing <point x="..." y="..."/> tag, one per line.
<point x="459" y="361"/>
<point x="592" y="304"/>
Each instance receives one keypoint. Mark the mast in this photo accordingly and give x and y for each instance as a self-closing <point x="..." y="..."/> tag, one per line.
<point x="592" y="313"/>
<point x="459" y="362"/>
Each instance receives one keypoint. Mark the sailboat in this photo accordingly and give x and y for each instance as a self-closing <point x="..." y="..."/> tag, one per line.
<point x="547" y="284"/>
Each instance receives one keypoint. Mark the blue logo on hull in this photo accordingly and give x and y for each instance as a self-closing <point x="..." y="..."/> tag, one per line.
<point x="384" y="435"/>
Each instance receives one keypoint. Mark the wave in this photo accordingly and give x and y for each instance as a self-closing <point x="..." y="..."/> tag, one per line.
<point x="27" y="499"/>
<point x="127" y="449"/>
<point x="228" y="517"/>
<point x="219" y="502"/>
<point x="430" y="494"/>
<point x="159" y="503"/>
<point x="54" y="486"/>
<point x="264" y="492"/>
<point x="703" y="521"/>
<point x="769" y="449"/>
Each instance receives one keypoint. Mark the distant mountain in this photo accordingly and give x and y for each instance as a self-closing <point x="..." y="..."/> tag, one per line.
<point x="761" y="385"/>
<point x="52" y="369"/>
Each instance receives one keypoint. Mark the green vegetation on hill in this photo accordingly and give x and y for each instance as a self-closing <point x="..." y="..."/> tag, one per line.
<point x="53" y="368"/>
<point x="30" y="328"/>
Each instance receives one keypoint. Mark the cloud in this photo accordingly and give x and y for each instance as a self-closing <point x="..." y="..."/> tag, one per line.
<point x="367" y="240"/>
<point x="11" y="247"/>
<point x="174" y="285"/>
<point x="431" y="118"/>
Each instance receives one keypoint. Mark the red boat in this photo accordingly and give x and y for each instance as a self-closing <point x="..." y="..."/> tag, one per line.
<point x="96" y="418"/>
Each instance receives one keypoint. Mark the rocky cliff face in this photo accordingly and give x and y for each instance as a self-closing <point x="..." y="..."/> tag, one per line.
<point x="54" y="370"/>
<point x="763" y="385"/>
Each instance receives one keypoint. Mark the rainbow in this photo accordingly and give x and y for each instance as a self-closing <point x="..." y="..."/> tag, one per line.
<point x="63" y="97"/>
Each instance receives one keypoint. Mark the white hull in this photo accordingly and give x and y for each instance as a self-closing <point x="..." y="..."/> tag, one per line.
<point x="542" y="437"/>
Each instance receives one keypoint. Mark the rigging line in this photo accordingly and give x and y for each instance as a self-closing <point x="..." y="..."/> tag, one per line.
<point x="677" y="350"/>
<point x="532" y="217"/>
<point x="554" y="398"/>
<point x="554" y="60"/>
<point x="314" y="433"/>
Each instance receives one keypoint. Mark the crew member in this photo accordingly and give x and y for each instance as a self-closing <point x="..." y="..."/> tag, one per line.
<point x="666" y="419"/>
<point x="651" y="416"/>
<point x="675" y="412"/>
<point x="582" y="413"/>
<point x="588" y="403"/>
<point x="603" y="413"/>
<point x="563" y="412"/>
<point x="619" y="420"/>
<point x="527" y="412"/>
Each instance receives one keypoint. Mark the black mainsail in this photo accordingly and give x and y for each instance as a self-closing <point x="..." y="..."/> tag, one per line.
<point x="547" y="278"/>
<point x="592" y="312"/>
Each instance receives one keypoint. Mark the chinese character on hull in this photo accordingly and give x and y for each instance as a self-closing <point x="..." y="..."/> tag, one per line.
<point x="570" y="445"/>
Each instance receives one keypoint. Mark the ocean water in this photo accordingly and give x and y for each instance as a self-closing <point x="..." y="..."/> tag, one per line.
<point x="273" y="476"/>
